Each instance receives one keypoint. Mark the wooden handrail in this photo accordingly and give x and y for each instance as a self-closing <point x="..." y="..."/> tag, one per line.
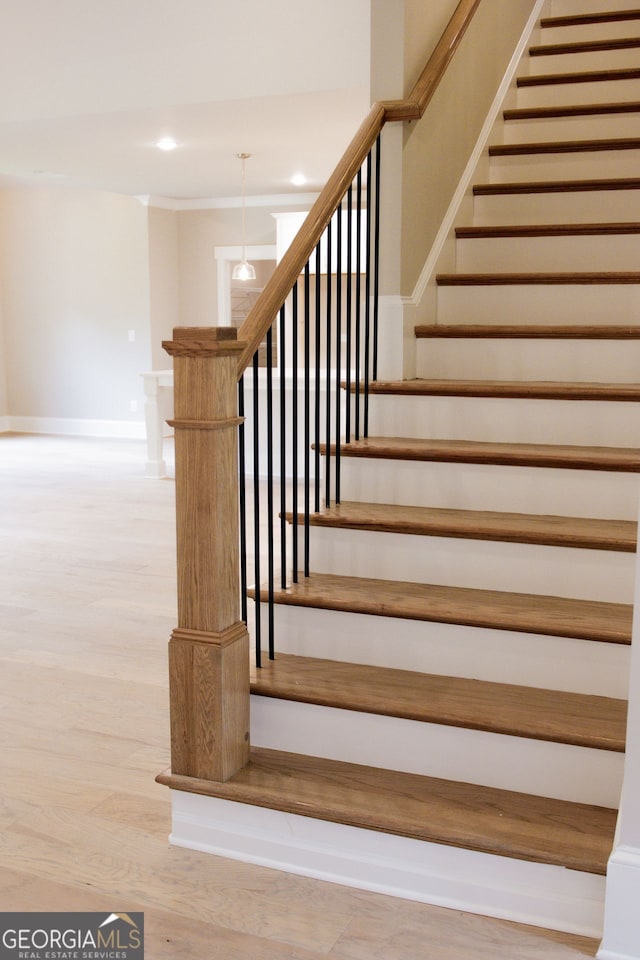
<point x="279" y="285"/>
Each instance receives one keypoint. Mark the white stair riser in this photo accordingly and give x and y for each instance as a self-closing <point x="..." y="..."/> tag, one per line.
<point x="561" y="94"/>
<point x="576" y="206"/>
<point x="547" y="254"/>
<point x="582" y="62"/>
<point x="574" y="8"/>
<point x="586" y="32"/>
<point x="597" y="127"/>
<point x="453" y="650"/>
<point x="507" y="420"/>
<point x="483" y="565"/>
<point x="589" y="165"/>
<point x="562" y="303"/>
<point x="471" y="486"/>
<point x="537" y="767"/>
<point x="577" y="360"/>
<point x="515" y="890"/>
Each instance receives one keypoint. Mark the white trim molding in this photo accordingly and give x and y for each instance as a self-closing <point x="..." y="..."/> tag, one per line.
<point x="621" y="939"/>
<point x="117" y="429"/>
<point x="447" y="225"/>
<point x="531" y="893"/>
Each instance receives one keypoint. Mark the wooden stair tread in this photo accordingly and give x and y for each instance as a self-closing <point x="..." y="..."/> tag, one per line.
<point x="539" y="279"/>
<point x="516" y="389"/>
<point x="563" y="146"/>
<point x="589" y="76"/>
<point x="543" y="331"/>
<point x="501" y="708"/>
<point x="584" y="46"/>
<point x="580" y="19"/>
<point x="556" y="186"/>
<point x="583" y="532"/>
<point x="559" y="832"/>
<point x="570" y="110"/>
<point x="617" y="459"/>
<point x="525" y="613"/>
<point x="547" y="230"/>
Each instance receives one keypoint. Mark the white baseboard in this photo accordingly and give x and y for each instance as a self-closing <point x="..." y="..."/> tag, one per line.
<point x="117" y="429"/>
<point x="530" y="893"/>
<point x="4" y="425"/>
<point x="621" y="940"/>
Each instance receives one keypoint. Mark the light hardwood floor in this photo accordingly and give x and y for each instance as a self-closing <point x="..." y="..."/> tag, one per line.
<point x="86" y="608"/>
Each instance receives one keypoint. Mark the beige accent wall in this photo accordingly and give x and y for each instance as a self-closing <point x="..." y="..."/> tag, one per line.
<point x="437" y="148"/>
<point x="199" y="233"/>
<point x="75" y="280"/>
<point x="4" y="407"/>
<point x="164" y="282"/>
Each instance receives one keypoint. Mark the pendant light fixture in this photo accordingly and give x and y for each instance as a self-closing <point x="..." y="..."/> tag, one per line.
<point x="243" y="270"/>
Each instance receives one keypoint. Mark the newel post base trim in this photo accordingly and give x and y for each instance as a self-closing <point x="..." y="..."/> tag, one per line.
<point x="209" y="698"/>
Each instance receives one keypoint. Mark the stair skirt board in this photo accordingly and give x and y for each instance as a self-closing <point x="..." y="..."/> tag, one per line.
<point x="558" y="770"/>
<point x="502" y="656"/>
<point x="523" y="892"/>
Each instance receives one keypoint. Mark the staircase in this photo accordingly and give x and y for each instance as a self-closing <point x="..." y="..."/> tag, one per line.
<point x="445" y="718"/>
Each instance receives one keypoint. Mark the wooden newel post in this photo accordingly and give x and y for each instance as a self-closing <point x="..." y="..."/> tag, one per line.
<point x="209" y="649"/>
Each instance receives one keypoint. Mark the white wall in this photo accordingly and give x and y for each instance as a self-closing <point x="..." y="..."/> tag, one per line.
<point x="75" y="281"/>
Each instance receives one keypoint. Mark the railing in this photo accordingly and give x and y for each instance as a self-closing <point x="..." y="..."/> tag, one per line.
<point x="209" y="650"/>
<point x="327" y="337"/>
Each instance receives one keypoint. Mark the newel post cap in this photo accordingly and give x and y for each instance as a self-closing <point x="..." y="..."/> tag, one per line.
<point x="204" y="342"/>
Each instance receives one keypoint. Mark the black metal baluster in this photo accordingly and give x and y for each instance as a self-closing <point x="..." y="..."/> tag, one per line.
<point x="270" y="544"/>
<point x="367" y="301"/>
<point x="348" y="311"/>
<point x="307" y="415"/>
<point x="242" y="478"/>
<point x="358" y="298"/>
<point x="283" y="455"/>
<point x="294" y="433"/>
<point x="327" y="439"/>
<point x="338" y="349"/>
<point x="256" y="509"/>
<point x="317" y="385"/>
<point x="376" y="262"/>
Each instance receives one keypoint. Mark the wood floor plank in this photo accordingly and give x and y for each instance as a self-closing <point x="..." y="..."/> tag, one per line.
<point x="509" y="709"/>
<point x="615" y="459"/>
<point x="587" y="533"/>
<point x="441" y="811"/>
<point x="525" y="613"/>
<point x="514" y="389"/>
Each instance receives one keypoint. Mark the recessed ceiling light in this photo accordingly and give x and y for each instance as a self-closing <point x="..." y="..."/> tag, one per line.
<point x="166" y="143"/>
<point x="298" y="179"/>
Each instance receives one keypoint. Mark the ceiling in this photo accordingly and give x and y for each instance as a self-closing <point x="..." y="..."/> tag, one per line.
<point x="87" y="87"/>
